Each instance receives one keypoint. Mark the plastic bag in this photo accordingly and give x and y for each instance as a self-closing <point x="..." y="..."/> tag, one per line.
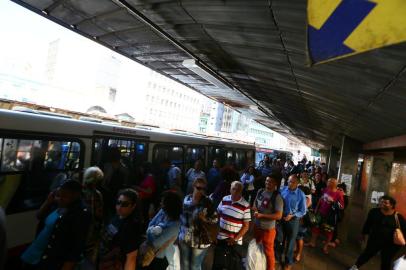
<point x="173" y="256"/>
<point x="255" y="256"/>
<point x="400" y="264"/>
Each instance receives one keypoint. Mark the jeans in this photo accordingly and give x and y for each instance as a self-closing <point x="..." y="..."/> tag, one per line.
<point x="191" y="258"/>
<point x="290" y="231"/>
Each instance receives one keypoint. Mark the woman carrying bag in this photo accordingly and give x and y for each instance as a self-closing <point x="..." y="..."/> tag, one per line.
<point x="328" y="208"/>
<point x="162" y="232"/>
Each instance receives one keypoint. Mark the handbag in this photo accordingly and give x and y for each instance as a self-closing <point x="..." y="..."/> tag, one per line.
<point x="313" y="218"/>
<point x="398" y="238"/>
<point x="147" y="252"/>
<point x="210" y="232"/>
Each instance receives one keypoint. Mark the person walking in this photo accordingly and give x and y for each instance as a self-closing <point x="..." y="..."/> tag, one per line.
<point x="380" y="226"/>
<point x="293" y="210"/>
<point x="268" y="208"/>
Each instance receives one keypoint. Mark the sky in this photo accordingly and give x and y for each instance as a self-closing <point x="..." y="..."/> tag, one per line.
<point x="25" y="52"/>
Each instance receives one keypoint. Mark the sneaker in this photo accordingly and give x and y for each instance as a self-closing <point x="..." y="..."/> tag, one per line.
<point x="354" y="267"/>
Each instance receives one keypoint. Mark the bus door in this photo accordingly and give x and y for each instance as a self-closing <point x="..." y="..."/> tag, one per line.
<point x="133" y="153"/>
<point x="218" y="153"/>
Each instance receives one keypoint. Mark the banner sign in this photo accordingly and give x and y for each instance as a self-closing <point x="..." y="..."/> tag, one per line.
<point x="339" y="28"/>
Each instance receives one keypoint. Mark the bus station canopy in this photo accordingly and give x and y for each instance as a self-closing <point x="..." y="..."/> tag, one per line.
<point x="253" y="56"/>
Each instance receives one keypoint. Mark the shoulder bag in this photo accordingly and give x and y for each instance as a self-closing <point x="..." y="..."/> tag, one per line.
<point x="147" y="252"/>
<point x="398" y="238"/>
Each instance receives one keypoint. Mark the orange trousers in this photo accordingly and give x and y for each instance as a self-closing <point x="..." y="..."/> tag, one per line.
<point x="267" y="238"/>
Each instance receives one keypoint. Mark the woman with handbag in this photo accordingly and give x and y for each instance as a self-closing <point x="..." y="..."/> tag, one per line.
<point x="385" y="229"/>
<point x="162" y="232"/>
<point x="121" y="238"/>
<point x="328" y="207"/>
<point x="198" y="226"/>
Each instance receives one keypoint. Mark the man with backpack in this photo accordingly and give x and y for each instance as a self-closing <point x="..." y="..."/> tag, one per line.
<point x="268" y="208"/>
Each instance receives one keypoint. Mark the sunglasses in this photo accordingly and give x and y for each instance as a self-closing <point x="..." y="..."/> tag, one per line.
<point x="123" y="203"/>
<point x="200" y="188"/>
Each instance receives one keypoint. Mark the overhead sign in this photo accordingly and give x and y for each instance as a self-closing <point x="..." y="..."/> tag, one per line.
<point x="339" y="28"/>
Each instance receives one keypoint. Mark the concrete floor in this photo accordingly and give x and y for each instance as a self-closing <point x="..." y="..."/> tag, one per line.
<point x="340" y="258"/>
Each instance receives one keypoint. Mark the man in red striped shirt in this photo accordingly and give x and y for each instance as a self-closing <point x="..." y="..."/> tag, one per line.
<point x="235" y="216"/>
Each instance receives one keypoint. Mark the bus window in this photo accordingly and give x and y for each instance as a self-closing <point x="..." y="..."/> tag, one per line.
<point x="30" y="169"/>
<point x="133" y="153"/>
<point x="194" y="153"/>
<point x="230" y="159"/>
<point x="173" y="153"/>
<point x="250" y="157"/>
<point x="218" y="153"/>
<point x="240" y="160"/>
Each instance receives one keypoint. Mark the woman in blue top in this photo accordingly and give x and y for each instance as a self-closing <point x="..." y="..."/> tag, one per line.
<point x="163" y="230"/>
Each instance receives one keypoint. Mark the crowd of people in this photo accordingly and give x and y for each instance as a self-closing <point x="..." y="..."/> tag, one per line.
<point x="157" y="221"/>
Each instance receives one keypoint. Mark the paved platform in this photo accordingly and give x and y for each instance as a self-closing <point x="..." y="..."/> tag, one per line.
<point x="339" y="258"/>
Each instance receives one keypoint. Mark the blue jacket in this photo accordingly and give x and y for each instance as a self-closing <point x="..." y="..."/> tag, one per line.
<point x="170" y="229"/>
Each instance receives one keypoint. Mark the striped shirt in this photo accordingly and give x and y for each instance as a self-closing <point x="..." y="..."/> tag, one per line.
<point x="232" y="216"/>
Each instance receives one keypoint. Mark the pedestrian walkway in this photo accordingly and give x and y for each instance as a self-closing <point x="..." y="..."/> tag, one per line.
<point x="340" y="258"/>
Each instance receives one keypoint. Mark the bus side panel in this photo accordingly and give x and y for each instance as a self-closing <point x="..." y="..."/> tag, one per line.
<point x="21" y="228"/>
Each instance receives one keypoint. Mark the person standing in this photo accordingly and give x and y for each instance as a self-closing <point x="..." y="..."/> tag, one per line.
<point x="163" y="230"/>
<point x="192" y="174"/>
<point x="228" y="175"/>
<point x="235" y="216"/>
<point x="319" y="187"/>
<point x="194" y="238"/>
<point x="303" y="229"/>
<point x="116" y="177"/>
<point x="307" y="182"/>
<point x="247" y="179"/>
<point x="329" y="206"/>
<point x="268" y="208"/>
<point x="121" y="238"/>
<point x="293" y="210"/>
<point x="94" y="201"/>
<point x="265" y="168"/>
<point x="380" y="227"/>
<point x="175" y="178"/>
<point x="61" y="243"/>
<point x="213" y="177"/>
<point x="147" y="190"/>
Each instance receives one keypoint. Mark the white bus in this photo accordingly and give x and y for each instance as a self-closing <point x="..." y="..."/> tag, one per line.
<point x="36" y="149"/>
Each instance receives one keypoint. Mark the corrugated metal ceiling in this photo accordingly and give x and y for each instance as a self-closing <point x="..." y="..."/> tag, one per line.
<point x="259" y="47"/>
